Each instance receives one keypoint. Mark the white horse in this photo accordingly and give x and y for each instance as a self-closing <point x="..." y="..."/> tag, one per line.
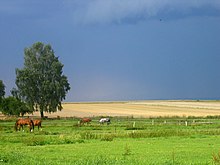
<point x="105" y="120"/>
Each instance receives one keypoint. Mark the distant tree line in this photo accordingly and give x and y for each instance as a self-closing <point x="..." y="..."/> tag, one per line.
<point x="41" y="85"/>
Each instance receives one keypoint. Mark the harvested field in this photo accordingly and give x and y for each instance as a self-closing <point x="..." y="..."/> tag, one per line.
<point x="139" y="109"/>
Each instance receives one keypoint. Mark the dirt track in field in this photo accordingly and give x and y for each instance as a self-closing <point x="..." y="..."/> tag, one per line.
<point x="139" y="109"/>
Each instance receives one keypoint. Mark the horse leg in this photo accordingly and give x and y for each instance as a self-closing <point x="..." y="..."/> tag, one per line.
<point x="19" y="127"/>
<point x="31" y="127"/>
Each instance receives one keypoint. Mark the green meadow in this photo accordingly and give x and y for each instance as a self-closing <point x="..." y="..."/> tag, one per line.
<point x="126" y="140"/>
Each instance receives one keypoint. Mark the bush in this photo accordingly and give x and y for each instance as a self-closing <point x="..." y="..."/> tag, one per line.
<point x="14" y="106"/>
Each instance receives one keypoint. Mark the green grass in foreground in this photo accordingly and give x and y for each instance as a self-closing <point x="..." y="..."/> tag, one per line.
<point x="125" y="141"/>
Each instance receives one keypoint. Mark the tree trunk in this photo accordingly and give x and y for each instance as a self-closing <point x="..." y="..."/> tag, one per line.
<point x="42" y="114"/>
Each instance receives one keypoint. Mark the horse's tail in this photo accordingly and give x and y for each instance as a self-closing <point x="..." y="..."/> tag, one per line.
<point x="16" y="125"/>
<point x="32" y="123"/>
<point x="40" y="123"/>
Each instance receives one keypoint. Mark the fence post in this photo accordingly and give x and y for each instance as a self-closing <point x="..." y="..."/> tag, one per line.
<point x="152" y="121"/>
<point x="186" y="123"/>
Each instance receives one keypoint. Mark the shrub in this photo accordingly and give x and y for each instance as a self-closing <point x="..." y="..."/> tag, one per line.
<point x="14" y="106"/>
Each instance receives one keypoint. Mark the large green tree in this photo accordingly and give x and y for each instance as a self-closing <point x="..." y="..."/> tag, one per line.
<point x="41" y="82"/>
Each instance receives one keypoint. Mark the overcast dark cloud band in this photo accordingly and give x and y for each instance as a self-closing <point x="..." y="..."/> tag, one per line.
<point x="108" y="11"/>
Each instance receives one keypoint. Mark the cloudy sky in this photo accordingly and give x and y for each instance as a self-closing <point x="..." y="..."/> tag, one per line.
<point x="119" y="50"/>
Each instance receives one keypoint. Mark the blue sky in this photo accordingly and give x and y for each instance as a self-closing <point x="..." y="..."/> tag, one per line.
<point x="119" y="50"/>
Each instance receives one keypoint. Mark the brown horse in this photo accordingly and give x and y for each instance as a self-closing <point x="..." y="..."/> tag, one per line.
<point x="85" y="120"/>
<point x="21" y="122"/>
<point x="37" y="122"/>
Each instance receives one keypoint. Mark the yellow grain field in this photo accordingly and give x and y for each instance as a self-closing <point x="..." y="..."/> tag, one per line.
<point x="139" y="109"/>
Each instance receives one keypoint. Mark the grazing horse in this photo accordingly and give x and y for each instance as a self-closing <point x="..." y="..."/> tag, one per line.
<point x="37" y="122"/>
<point x="85" y="120"/>
<point x="21" y="122"/>
<point x="105" y="120"/>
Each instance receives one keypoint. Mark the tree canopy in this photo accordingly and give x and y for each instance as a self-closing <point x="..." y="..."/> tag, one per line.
<point x="2" y="93"/>
<point x="14" y="106"/>
<point x="2" y="89"/>
<point x="11" y="105"/>
<point x="41" y="83"/>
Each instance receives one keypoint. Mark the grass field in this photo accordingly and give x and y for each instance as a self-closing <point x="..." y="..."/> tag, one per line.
<point x="124" y="141"/>
<point x="135" y="138"/>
